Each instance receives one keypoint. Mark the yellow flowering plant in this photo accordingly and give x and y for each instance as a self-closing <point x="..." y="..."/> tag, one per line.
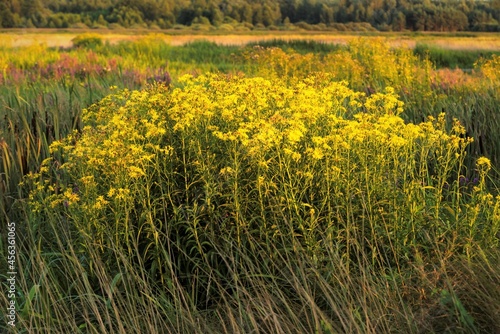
<point x="297" y="162"/>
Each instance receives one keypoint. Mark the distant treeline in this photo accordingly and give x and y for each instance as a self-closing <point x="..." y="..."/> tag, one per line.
<point x="384" y="15"/>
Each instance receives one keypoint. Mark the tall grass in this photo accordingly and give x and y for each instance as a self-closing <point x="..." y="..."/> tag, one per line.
<point x="37" y="113"/>
<point x="449" y="58"/>
<point x="300" y="46"/>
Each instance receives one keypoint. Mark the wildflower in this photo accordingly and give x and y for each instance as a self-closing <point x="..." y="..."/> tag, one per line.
<point x="483" y="164"/>
<point x="296" y="156"/>
<point x="111" y="192"/>
<point x="295" y="135"/>
<point x="122" y="193"/>
<point x="100" y="203"/>
<point x="55" y="203"/>
<point x="135" y="172"/>
<point x="227" y="171"/>
<point x="71" y="196"/>
<point x="317" y="154"/>
<point x="260" y="181"/>
<point x="308" y="175"/>
<point x="463" y="180"/>
<point x="55" y="146"/>
<point x="263" y="164"/>
<point x="87" y="180"/>
<point x="397" y="142"/>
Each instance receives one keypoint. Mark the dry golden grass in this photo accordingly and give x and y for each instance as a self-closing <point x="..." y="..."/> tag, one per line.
<point x="58" y="38"/>
<point x="491" y="42"/>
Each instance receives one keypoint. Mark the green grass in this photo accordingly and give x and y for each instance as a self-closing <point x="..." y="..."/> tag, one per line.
<point x="445" y="58"/>
<point x="199" y="54"/>
<point x="300" y="46"/>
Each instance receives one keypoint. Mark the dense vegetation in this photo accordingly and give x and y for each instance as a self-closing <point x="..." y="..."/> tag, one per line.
<point x="385" y="15"/>
<point x="215" y="189"/>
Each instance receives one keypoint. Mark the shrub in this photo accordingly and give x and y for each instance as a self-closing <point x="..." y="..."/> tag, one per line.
<point x="79" y="25"/>
<point x="179" y="27"/>
<point x="219" y="163"/>
<point x="88" y="41"/>
<point x="259" y="26"/>
<point x="303" y="25"/>
<point x="115" y="26"/>
<point x="225" y="27"/>
<point x="201" y="27"/>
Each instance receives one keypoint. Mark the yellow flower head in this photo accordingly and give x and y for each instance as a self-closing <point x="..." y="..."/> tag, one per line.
<point x="483" y="164"/>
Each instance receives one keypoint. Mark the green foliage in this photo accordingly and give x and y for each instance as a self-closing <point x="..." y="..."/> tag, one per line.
<point x="446" y="58"/>
<point x="87" y="41"/>
<point x="299" y="46"/>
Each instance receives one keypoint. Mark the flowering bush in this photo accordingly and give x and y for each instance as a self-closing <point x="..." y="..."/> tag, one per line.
<point x="228" y="160"/>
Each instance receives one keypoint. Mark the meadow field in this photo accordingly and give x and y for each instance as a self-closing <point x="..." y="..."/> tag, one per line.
<point x="218" y="184"/>
<point x="63" y="38"/>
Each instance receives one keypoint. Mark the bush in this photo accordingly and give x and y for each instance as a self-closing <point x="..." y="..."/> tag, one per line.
<point x="179" y="27"/>
<point x="303" y="25"/>
<point x="201" y="27"/>
<point x="79" y="25"/>
<point x="115" y="26"/>
<point x="154" y="27"/>
<point x="241" y="27"/>
<point x="225" y="204"/>
<point x="225" y="27"/>
<point x="259" y="26"/>
<point x="339" y="26"/>
<point x="99" y="26"/>
<point x="88" y="41"/>
<point x="223" y="163"/>
<point x="248" y="25"/>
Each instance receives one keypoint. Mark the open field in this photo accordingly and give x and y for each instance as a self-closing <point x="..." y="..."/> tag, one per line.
<point x="469" y="41"/>
<point x="160" y="184"/>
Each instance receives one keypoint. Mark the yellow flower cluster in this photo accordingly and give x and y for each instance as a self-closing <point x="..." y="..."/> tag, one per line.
<point x="309" y="119"/>
<point x="365" y="62"/>
<point x="306" y="145"/>
<point x="122" y="135"/>
<point x="490" y="68"/>
<point x="483" y="163"/>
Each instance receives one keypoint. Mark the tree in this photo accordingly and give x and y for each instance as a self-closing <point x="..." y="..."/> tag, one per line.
<point x="359" y="13"/>
<point x="327" y="14"/>
<point x="257" y="14"/>
<point x="35" y="13"/>
<point x="15" y="6"/>
<point x="387" y="14"/>
<point x="495" y="6"/>
<point x="126" y="16"/>
<point x="399" y="21"/>
<point x="289" y="8"/>
<point x="270" y="15"/>
<point x="216" y="16"/>
<point x="247" y="13"/>
<point x="30" y="8"/>
<point x="6" y="16"/>
<point x="101" y="21"/>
